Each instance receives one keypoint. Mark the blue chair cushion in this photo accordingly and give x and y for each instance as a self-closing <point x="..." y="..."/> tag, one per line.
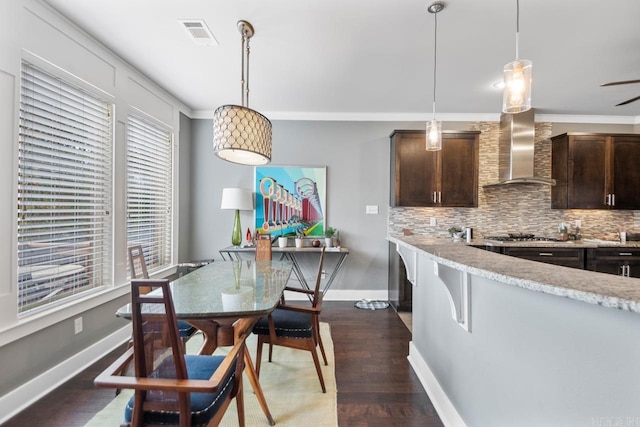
<point x="185" y="329"/>
<point x="287" y="323"/>
<point x="204" y="406"/>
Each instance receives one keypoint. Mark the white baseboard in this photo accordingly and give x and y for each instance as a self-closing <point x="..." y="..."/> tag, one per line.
<point x="445" y="409"/>
<point x="20" y="398"/>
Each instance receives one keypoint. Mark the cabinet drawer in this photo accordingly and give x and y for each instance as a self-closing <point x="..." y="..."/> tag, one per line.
<point x="614" y="254"/>
<point x="622" y="261"/>
<point x="568" y="257"/>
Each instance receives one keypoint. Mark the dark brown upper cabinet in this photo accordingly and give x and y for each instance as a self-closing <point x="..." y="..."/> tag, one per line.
<point x="447" y="178"/>
<point x="595" y="171"/>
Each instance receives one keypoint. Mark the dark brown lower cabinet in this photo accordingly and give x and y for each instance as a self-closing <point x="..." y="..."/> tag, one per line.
<point x="621" y="261"/>
<point x="567" y="257"/>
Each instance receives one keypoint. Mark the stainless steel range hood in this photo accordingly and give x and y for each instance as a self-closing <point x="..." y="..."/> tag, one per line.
<point x="516" y="150"/>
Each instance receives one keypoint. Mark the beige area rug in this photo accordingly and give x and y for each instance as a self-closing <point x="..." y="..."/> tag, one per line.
<point x="290" y="385"/>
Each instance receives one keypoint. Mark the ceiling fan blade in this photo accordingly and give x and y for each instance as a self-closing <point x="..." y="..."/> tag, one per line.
<point x="628" y="101"/>
<point x="625" y="82"/>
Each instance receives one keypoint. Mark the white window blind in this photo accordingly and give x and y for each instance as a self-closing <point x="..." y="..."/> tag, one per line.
<point x="64" y="190"/>
<point x="149" y="190"/>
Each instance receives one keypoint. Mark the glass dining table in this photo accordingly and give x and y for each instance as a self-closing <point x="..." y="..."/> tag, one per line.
<point x="224" y="300"/>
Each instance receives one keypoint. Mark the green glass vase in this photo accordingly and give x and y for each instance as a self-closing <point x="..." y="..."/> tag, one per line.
<point x="236" y="237"/>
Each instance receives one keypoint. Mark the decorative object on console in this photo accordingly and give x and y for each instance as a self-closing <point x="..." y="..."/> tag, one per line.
<point x="434" y="127"/>
<point x="240" y="199"/>
<point x="240" y="134"/>
<point x="516" y="96"/>
<point x="329" y="233"/>
<point x="299" y="237"/>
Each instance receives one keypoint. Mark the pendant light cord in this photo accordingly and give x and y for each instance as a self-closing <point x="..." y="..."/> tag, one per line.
<point x="517" y="27"/>
<point x="247" y="87"/>
<point x="242" y="69"/>
<point x="244" y="84"/>
<point x="435" y="60"/>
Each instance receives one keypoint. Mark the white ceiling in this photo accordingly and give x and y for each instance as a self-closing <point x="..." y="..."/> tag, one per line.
<point x="373" y="59"/>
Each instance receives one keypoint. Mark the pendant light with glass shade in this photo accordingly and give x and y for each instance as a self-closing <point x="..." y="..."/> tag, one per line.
<point x="434" y="127"/>
<point x="240" y="134"/>
<point x="516" y="96"/>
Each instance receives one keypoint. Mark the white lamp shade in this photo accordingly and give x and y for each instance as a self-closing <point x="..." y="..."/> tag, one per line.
<point x="237" y="198"/>
<point x="516" y="96"/>
<point x="241" y="135"/>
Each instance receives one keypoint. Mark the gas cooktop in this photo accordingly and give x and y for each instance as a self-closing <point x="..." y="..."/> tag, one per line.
<point x="521" y="238"/>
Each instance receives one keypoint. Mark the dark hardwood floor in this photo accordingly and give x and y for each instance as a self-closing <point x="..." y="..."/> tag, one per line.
<point x="376" y="385"/>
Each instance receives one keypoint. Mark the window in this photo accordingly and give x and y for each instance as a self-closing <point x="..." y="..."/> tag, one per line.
<point x="64" y="190"/>
<point x="149" y="190"/>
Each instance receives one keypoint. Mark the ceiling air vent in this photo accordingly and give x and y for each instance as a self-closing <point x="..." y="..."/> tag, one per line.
<point x="199" y="32"/>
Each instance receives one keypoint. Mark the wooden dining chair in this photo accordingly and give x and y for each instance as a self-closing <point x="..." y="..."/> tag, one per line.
<point x="263" y="247"/>
<point x="138" y="267"/>
<point x="295" y="325"/>
<point x="171" y="388"/>
<point x="137" y="263"/>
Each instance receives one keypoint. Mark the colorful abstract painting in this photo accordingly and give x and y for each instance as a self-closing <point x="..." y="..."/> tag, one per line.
<point x="290" y="200"/>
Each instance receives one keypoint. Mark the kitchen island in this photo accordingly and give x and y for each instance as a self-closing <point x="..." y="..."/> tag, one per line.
<point x="499" y="340"/>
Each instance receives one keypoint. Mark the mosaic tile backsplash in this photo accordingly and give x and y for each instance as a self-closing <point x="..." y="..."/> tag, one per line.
<point x="517" y="208"/>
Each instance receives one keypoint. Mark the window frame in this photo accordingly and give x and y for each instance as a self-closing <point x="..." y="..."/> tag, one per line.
<point x="95" y="264"/>
<point x="159" y="254"/>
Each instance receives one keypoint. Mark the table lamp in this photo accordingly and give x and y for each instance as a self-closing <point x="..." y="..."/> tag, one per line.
<point x="238" y="199"/>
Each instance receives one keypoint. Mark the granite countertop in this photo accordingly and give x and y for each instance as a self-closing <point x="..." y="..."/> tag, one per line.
<point x="608" y="290"/>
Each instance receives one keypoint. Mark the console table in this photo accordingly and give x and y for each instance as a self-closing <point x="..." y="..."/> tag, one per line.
<point x="291" y="253"/>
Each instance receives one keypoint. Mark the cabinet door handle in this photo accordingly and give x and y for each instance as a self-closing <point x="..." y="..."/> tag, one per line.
<point x="608" y="200"/>
<point x="545" y="253"/>
<point x="625" y="270"/>
<point x="439" y="196"/>
<point x="613" y="199"/>
<point x="625" y="253"/>
<point x="434" y="197"/>
<point x="628" y="270"/>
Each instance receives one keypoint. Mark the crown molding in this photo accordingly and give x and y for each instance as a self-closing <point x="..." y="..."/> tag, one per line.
<point x="421" y="117"/>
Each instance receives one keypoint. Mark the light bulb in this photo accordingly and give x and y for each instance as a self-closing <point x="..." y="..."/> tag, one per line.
<point x="517" y="83"/>
<point x="434" y="135"/>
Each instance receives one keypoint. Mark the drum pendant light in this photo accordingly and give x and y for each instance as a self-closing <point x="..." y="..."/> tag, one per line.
<point x="434" y="127"/>
<point x="240" y="134"/>
<point x="516" y="96"/>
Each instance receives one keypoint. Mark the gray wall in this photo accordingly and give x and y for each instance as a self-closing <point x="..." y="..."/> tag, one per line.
<point x="356" y="155"/>
<point x="36" y="343"/>
<point x="25" y="359"/>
